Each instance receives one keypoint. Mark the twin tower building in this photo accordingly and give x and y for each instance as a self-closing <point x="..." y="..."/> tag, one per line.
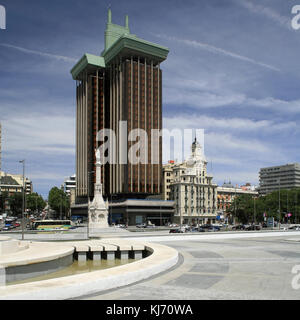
<point x="119" y="91"/>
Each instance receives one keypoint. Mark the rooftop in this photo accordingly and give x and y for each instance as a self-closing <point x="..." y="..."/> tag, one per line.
<point x="119" y="43"/>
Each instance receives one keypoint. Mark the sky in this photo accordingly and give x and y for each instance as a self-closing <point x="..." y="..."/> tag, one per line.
<point x="233" y="70"/>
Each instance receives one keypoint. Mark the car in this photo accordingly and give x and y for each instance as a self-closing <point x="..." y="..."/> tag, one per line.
<point x="239" y="227"/>
<point x="206" y="226"/>
<point x="253" y="227"/>
<point x="213" y="228"/>
<point x="173" y="225"/>
<point x="141" y="225"/>
<point x="197" y="229"/>
<point x="120" y="226"/>
<point x="296" y="227"/>
<point x="17" y="225"/>
<point x="177" y="230"/>
<point x="151" y="226"/>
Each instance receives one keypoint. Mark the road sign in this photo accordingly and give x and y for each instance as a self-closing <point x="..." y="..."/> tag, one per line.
<point x="270" y="222"/>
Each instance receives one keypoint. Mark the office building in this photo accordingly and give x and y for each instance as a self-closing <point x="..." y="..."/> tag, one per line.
<point x="120" y="90"/>
<point x="13" y="183"/>
<point x="123" y="84"/>
<point x="69" y="184"/>
<point x="279" y="177"/>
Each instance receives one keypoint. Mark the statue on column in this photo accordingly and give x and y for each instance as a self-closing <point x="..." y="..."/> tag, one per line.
<point x="98" y="211"/>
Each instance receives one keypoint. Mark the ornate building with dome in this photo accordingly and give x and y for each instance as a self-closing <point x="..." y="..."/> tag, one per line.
<point x="192" y="189"/>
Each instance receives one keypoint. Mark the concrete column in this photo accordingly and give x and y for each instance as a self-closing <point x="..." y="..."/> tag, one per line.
<point x="114" y="176"/>
<point x="139" y="125"/>
<point x="2" y="276"/>
<point x="138" y="254"/>
<point x="110" y="255"/>
<point x="120" y="118"/>
<point x="145" y="190"/>
<point x="124" y="255"/>
<point x="86" y="134"/>
<point x="97" y="255"/>
<point x="97" y="104"/>
<point x="81" y="256"/>
<point x="77" y="130"/>
<point x="131" y="117"/>
<point x="158" y="122"/>
<point x="104" y="125"/>
<point x="151" y="123"/>
<point x="111" y="127"/>
<point x="117" y="127"/>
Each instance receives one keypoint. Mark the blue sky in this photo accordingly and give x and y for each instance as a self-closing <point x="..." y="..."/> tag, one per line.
<point x="233" y="70"/>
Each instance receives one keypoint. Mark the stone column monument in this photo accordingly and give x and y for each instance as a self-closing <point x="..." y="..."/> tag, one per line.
<point x="98" y="210"/>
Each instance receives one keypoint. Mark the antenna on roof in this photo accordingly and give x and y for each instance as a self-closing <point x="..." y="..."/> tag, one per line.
<point x="109" y="14"/>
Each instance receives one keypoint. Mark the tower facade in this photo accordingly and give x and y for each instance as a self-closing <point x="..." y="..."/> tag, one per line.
<point x="120" y="90"/>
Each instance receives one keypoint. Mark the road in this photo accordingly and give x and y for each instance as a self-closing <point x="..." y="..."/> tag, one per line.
<point x="221" y="268"/>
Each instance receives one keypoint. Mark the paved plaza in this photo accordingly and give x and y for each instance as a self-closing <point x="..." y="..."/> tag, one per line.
<point x="220" y="268"/>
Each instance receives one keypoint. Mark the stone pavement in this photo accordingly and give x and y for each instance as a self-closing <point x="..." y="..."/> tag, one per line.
<point x="236" y="268"/>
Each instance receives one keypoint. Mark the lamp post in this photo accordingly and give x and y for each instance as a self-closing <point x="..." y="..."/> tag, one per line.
<point x="296" y="214"/>
<point x="61" y="198"/>
<point x="111" y="209"/>
<point x="279" y="206"/>
<point x="234" y="202"/>
<point x="160" y="215"/>
<point x="254" y="212"/>
<point x="23" y="198"/>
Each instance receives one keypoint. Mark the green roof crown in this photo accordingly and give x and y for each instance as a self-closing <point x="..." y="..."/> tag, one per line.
<point x="113" y="31"/>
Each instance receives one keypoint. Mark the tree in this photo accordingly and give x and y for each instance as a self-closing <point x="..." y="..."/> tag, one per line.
<point x="243" y="207"/>
<point x="58" y="201"/>
<point x="35" y="202"/>
<point x="16" y="203"/>
<point x="275" y="204"/>
<point x="4" y="195"/>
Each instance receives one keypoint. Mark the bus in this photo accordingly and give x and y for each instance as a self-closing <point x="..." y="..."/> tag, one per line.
<point x="50" y="225"/>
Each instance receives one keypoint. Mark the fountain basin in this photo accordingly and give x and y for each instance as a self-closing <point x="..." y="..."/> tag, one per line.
<point x="161" y="258"/>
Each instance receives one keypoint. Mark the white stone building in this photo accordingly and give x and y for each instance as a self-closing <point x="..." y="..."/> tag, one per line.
<point x="192" y="189"/>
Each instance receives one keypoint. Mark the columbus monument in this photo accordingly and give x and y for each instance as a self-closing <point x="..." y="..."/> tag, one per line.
<point x="98" y="209"/>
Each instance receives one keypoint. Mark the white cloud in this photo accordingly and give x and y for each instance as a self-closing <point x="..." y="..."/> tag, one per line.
<point x="217" y="50"/>
<point x="266" y="12"/>
<point x="230" y="124"/>
<point x="39" y="133"/>
<point x="40" y="53"/>
<point x="231" y="143"/>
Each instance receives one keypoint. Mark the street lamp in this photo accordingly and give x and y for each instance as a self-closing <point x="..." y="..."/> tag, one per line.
<point x="254" y="212"/>
<point x="23" y="198"/>
<point x="279" y="206"/>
